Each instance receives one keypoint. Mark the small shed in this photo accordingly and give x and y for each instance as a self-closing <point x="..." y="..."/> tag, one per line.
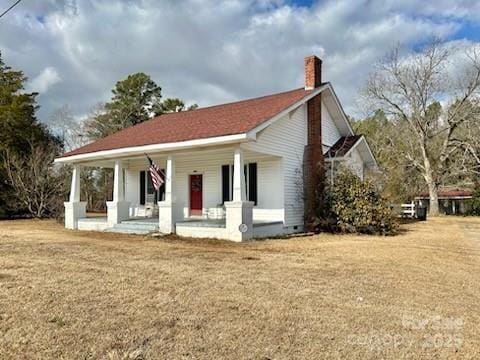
<point x="451" y="202"/>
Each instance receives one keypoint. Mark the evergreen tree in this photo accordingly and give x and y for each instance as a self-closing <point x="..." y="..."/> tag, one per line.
<point x="135" y="99"/>
<point x="133" y="102"/>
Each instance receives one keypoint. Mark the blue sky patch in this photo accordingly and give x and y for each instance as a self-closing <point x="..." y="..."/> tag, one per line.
<point x="469" y="30"/>
<point x="302" y="3"/>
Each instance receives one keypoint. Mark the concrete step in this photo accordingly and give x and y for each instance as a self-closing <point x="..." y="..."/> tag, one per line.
<point x="128" y="231"/>
<point x="134" y="227"/>
<point x="140" y="222"/>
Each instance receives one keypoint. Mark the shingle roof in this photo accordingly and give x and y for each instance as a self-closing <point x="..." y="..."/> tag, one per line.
<point x="220" y="120"/>
<point x="342" y="146"/>
<point x="446" y="194"/>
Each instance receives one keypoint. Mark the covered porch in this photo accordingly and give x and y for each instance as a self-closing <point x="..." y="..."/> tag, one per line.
<point x="226" y="192"/>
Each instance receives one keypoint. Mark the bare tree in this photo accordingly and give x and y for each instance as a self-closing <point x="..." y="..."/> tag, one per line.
<point x="38" y="185"/>
<point x="67" y="128"/>
<point x="470" y="163"/>
<point x="410" y="90"/>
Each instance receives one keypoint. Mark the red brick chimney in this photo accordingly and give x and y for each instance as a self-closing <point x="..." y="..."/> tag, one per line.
<point x="313" y="72"/>
<point x="313" y="161"/>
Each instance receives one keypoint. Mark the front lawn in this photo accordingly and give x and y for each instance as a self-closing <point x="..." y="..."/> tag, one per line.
<point x="69" y="294"/>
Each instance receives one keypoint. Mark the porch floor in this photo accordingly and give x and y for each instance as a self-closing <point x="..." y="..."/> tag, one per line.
<point x="216" y="223"/>
<point x="141" y="225"/>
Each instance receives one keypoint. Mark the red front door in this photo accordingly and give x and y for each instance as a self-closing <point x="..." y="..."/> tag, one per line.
<point x="196" y="194"/>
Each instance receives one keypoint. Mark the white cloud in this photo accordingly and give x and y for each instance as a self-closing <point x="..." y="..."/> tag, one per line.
<point x="42" y="83"/>
<point x="209" y="51"/>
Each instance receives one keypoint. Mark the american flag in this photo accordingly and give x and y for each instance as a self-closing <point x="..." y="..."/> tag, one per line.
<point x="156" y="174"/>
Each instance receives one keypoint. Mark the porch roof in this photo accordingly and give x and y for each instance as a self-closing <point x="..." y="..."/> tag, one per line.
<point x="345" y="145"/>
<point x="342" y="146"/>
<point x="212" y="122"/>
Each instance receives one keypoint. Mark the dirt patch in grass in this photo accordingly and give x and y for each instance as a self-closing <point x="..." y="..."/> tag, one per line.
<point x="70" y="294"/>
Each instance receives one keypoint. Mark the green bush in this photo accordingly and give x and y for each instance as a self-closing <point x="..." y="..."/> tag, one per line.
<point x="473" y="204"/>
<point x="357" y="206"/>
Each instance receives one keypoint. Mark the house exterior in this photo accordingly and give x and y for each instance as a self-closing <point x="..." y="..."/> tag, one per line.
<point x="234" y="171"/>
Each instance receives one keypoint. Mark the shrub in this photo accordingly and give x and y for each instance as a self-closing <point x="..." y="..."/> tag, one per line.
<point x="473" y="204"/>
<point x="357" y="206"/>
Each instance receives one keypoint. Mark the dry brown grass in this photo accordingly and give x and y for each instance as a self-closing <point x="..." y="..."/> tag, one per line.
<point x="67" y="294"/>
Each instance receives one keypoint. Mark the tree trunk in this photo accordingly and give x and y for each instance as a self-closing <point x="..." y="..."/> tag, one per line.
<point x="430" y="180"/>
<point x="432" y="190"/>
<point x="433" y="193"/>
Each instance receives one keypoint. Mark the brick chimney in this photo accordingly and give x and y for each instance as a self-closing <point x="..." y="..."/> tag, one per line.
<point x="313" y="161"/>
<point x="313" y="72"/>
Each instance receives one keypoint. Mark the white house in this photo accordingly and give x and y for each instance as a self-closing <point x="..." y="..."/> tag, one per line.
<point x="233" y="171"/>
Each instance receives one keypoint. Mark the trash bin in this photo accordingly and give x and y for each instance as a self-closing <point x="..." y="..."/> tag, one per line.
<point x="421" y="213"/>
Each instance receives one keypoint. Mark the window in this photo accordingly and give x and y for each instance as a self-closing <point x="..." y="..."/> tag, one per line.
<point x="147" y="191"/>
<point x="250" y="171"/>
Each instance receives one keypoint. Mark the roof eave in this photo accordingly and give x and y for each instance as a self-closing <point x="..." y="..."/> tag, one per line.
<point x="340" y="107"/>
<point x="156" y="148"/>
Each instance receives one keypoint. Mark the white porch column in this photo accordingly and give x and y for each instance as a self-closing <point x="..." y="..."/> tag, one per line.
<point x="118" y="187"/>
<point x="239" y="189"/>
<point x="74" y="209"/>
<point x="239" y="214"/>
<point x="118" y="208"/>
<point x="166" y="208"/>
<point x="75" y="186"/>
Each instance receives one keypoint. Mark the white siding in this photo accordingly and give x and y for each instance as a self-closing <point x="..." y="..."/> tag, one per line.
<point x="269" y="188"/>
<point x="270" y="191"/>
<point x="286" y="138"/>
<point x="132" y="189"/>
<point x="269" y="182"/>
<point x="330" y="133"/>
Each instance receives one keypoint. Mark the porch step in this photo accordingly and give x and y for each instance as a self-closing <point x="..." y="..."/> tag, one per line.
<point x="139" y="222"/>
<point x="134" y="227"/>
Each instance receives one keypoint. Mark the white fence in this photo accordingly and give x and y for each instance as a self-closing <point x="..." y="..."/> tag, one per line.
<point x="408" y="210"/>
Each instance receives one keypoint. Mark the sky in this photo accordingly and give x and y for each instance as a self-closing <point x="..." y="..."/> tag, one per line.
<point x="210" y="51"/>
